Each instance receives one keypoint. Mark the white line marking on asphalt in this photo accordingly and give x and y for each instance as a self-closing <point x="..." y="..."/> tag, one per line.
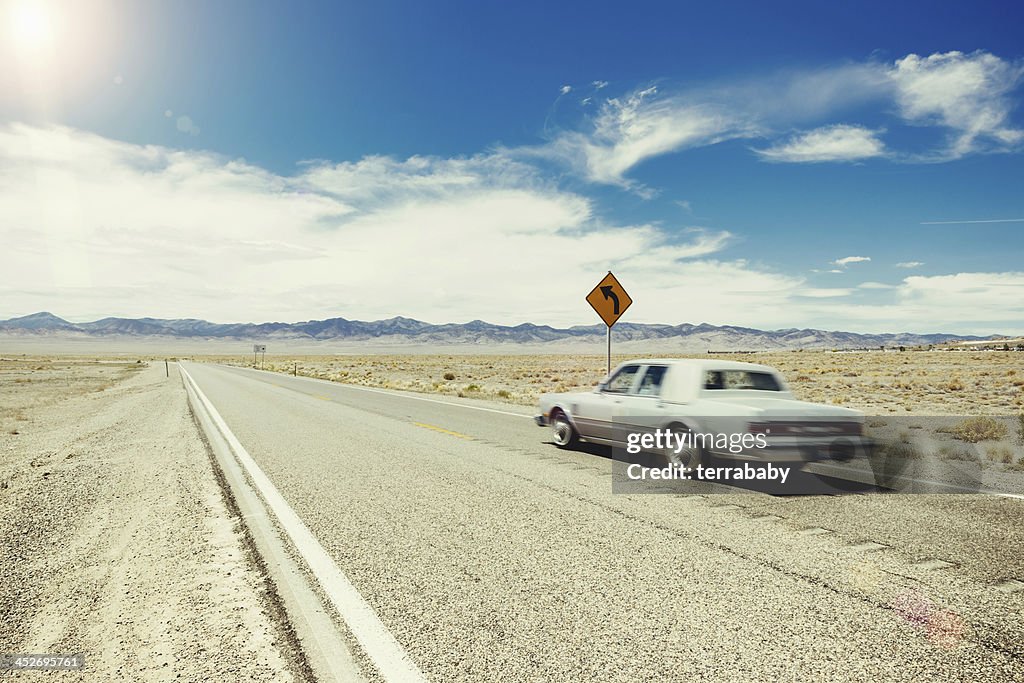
<point x="1010" y="586"/>
<point x="868" y="547"/>
<point x="397" y="394"/>
<point x="962" y="489"/>
<point x="391" y="660"/>
<point x="931" y="565"/>
<point x="767" y="518"/>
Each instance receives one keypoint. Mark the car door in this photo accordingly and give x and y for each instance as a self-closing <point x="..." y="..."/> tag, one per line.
<point x="642" y="406"/>
<point x="605" y="405"/>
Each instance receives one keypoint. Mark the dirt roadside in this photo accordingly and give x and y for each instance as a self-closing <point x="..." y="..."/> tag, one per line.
<point x="116" y="542"/>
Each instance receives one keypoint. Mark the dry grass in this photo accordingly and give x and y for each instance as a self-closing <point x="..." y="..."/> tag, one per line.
<point x="28" y="383"/>
<point x="1000" y="453"/>
<point x="975" y="429"/>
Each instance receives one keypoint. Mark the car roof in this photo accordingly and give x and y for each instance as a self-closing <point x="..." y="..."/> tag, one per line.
<point x="702" y="363"/>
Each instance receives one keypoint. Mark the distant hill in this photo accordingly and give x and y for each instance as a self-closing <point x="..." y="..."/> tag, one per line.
<point x="406" y="331"/>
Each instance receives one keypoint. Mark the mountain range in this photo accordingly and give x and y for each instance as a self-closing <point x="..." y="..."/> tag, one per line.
<point x="407" y="331"/>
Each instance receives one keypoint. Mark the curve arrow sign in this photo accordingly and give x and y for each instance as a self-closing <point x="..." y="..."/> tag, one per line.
<point x="609" y="293"/>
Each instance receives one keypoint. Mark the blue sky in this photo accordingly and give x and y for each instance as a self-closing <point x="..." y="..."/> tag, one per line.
<point x="796" y="165"/>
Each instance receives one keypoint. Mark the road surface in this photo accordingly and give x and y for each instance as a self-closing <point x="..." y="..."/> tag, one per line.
<point x="490" y="555"/>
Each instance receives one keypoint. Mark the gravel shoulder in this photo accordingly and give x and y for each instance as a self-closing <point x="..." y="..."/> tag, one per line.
<point x="116" y="540"/>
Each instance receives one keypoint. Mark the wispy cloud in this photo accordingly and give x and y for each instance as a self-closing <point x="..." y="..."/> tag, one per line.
<point x="825" y="293"/>
<point x="991" y="220"/>
<point x="847" y="260"/>
<point x="909" y="264"/>
<point x="626" y="131"/>
<point x="830" y="143"/>
<point x="965" y="93"/>
<point x="185" y="124"/>
<point x="565" y="89"/>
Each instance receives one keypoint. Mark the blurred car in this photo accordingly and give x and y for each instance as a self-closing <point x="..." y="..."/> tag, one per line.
<point x="704" y="397"/>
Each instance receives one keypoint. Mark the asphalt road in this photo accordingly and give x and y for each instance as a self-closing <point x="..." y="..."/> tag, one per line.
<point x="491" y="555"/>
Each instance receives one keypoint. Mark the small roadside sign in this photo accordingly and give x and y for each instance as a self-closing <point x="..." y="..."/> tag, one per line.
<point x="259" y="349"/>
<point x="609" y="299"/>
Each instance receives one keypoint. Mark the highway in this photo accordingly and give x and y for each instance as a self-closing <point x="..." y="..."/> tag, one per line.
<point x="488" y="554"/>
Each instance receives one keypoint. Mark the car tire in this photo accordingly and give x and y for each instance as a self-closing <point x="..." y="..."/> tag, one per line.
<point x="563" y="434"/>
<point x="688" y="457"/>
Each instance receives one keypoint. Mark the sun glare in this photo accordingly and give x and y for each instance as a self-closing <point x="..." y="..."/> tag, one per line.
<point x="31" y="25"/>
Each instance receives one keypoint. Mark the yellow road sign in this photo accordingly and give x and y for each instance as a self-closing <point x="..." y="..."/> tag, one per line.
<point x="609" y="299"/>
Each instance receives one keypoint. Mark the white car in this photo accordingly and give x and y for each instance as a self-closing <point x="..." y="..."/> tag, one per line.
<point x="706" y="397"/>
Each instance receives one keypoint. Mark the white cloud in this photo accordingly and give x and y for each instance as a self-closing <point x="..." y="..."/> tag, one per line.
<point x="627" y="131"/>
<point x="847" y="260"/>
<point x="995" y="296"/>
<point x="830" y="143"/>
<point x="565" y="89"/>
<point x="909" y="264"/>
<point x="966" y="303"/>
<point x="875" y="285"/>
<point x="600" y="85"/>
<point x="825" y="292"/>
<point x="146" y="230"/>
<point x="967" y="93"/>
<point x="185" y="124"/>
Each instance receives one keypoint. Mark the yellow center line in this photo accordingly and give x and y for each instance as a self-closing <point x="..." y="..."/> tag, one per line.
<point x="322" y="397"/>
<point x="442" y="430"/>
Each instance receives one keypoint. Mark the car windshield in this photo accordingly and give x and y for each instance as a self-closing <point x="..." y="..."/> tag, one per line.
<point x="621" y="382"/>
<point x="741" y="379"/>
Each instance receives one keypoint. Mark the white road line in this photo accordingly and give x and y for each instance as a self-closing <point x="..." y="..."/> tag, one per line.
<point x="392" y="393"/>
<point x="391" y="660"/>
<point x="962" y="489"/>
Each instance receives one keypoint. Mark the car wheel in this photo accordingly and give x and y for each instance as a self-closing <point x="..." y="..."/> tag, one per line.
<point x="688" y="456"/>
<point x="562" y="432"/>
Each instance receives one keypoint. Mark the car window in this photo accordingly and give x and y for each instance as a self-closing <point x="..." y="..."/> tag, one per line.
<point x="650" y="385"/>
<point x="741" y="379"/>
<point x="622" y="381"/>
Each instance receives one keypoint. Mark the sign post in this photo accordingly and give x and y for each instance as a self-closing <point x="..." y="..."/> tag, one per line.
<point x="259" y="348"/>
<point x="610" y="301"/>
